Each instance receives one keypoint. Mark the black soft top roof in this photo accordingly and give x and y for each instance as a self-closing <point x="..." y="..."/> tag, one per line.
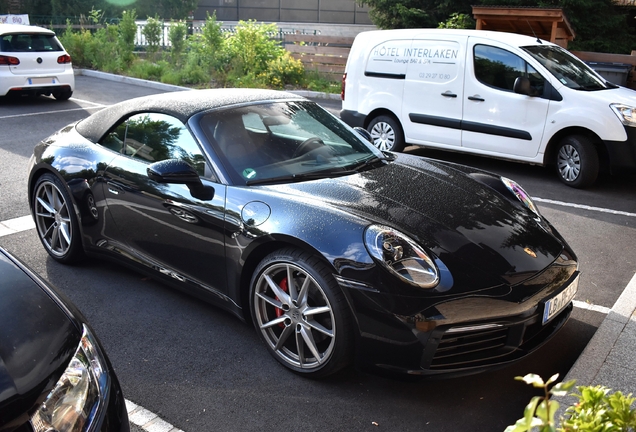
<point x="182" y="105"/>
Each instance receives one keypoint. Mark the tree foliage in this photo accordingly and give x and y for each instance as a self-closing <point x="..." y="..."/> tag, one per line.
<point x="599" y="25"/>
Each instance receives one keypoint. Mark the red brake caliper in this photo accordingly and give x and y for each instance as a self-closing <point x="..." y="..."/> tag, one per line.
<point x="279" y="312"/>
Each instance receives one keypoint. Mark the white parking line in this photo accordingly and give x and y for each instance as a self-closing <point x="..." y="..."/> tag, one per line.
<point x="52" y="112"/>
<point x="16" y="225"/>
<point x="584" y="207"/>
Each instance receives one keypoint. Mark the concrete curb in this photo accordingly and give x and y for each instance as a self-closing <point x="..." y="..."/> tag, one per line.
<point x="169" y="87"/>
<point x="595" y="361"/>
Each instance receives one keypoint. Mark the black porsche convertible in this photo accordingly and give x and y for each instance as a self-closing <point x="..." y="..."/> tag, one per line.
<point x="265" y="204"/>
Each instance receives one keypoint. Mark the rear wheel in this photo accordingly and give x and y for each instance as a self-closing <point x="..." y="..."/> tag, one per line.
<point x="56" y="221"/>
<point x="63" y="95"/>
<point x="577" y="161"/>
<point x="301" y="314"/>
<point x="386" y="133"/>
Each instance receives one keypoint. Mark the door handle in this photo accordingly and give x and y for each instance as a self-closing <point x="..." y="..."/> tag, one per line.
<point x="449" y="94"/>
<point x="476" y="98"/>
<point x="113" y="191"/>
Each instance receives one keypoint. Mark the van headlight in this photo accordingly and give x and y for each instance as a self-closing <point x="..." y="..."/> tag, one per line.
<point x="626" y="114"/>
<point x="401" y="256"/>
<point x="521" y="194"/>
<point x="78" y="397"/>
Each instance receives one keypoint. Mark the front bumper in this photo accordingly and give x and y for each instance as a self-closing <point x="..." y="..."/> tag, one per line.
<point x="462" y="336"/>
<point x="353" y="118"/>
<point x="622" y="154"/>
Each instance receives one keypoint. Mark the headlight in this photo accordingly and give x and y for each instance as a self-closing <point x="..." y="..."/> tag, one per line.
<point x="626" y="114"/>
<point x="401" y="256"/>
<point x="521" y="194"/>
<point x="77" y="398"/>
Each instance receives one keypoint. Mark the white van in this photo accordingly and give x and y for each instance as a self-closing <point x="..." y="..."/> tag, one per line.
<point x="489" y="93"/>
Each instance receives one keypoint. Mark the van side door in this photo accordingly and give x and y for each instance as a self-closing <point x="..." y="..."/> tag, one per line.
<point x="497" y="121"/>
<point x="433" y="90"/>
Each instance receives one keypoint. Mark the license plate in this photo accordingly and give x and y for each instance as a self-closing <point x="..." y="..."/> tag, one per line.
<point x="560" y="301"/>
<point x="40" y="81"/>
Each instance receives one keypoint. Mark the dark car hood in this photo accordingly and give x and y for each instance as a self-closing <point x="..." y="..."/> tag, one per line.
<point x="461" y="220"/>
<point x="37" y="341"/>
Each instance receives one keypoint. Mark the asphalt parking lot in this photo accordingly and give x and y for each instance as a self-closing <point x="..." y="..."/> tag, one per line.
<point x="201" y="369"/>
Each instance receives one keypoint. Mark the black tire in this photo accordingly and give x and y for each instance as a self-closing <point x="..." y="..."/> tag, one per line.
<point x="309" y="331"/>
<point x="387" y="133"/>
<point x="56" y="221"/>
<point x="63" y="95"/>
<point x="577" y="161"/>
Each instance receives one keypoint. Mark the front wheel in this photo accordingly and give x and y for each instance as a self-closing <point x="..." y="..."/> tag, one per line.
<point x="577" y="161"/>
<point x="301" y="314"/>
<point x="56" y="221"/>
<point x="386" y="133"/>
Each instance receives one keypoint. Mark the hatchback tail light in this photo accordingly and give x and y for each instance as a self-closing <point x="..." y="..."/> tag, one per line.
<point x="344" y="84"/>
<point x="63" y="59"/>
<point x="9" y="61"/>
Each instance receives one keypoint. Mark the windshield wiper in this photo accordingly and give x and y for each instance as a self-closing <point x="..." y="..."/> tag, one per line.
<point x="312" y="175"/>
<point x="371" y="161"/>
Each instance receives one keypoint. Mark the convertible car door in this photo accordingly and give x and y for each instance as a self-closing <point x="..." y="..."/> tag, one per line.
<point x="163" y="225"/>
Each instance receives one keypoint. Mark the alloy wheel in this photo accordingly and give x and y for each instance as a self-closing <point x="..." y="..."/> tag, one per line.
<point x="53" y="219"/>
<point x="294" y="316"/>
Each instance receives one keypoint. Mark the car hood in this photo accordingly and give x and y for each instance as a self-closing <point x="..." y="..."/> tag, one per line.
<point x="37" y="341"/>
<point x="470" y="226"/>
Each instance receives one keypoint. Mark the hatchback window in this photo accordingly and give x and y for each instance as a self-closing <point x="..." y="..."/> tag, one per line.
<point x="29" y="43"/>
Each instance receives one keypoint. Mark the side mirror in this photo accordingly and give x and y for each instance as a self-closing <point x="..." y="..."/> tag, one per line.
<point x="176" y="171"/>
<point x="522" y="86"/>
<point x="365" y="133"/>
<point x="173" y="171"/>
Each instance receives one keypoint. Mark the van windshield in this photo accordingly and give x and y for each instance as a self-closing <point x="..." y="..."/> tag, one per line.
<point x="568" y="69"/>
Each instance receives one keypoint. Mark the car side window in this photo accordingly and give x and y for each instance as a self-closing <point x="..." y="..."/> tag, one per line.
<point x="153" y="137"/>
<point x="499" y="68"/>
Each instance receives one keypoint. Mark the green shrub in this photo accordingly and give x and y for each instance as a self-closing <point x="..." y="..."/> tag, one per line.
<point x="177" y="35"/>
<point x="152" y="31"/>
<point x="77" y="44"/>
<point x="283" y="70"/>
<point x="251" y="48"/>
<point x="596" y="409"/>
<point x="127" y="31"/>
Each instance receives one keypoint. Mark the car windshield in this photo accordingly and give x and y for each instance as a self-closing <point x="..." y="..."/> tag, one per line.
<point x="285" y="141"/>
<point x="568" y="69"/>
<point x="28" y="42"/>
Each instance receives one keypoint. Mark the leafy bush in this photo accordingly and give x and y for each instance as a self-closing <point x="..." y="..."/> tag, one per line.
<point x="177" y="35"/>
<point x="283" y="70"/>
<point x="152" y="31"/>
<point x="251" y="47"/>
<point x="596" y="410"/>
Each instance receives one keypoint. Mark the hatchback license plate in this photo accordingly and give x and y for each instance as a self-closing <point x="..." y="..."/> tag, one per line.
<point x="39" y="81"/>
<point x="560" y="301"/>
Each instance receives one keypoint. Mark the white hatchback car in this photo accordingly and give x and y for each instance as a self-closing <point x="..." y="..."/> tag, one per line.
<point x="33" y="61"/>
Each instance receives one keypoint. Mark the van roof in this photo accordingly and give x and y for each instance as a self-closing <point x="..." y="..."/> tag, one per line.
<point x="510" y="38"/>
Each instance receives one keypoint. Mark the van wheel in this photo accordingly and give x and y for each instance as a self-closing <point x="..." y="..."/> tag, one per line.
<point x="386" y="133"/>
<point x="577" y="161"/>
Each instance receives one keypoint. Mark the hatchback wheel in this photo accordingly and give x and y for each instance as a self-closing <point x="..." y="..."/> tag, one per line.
<point x="63" y="95"/>
<point x="386" y="133"/>
<point x="577" y="161"/>
<point x="301" y="314"/>
<point x="55" y="220"/>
